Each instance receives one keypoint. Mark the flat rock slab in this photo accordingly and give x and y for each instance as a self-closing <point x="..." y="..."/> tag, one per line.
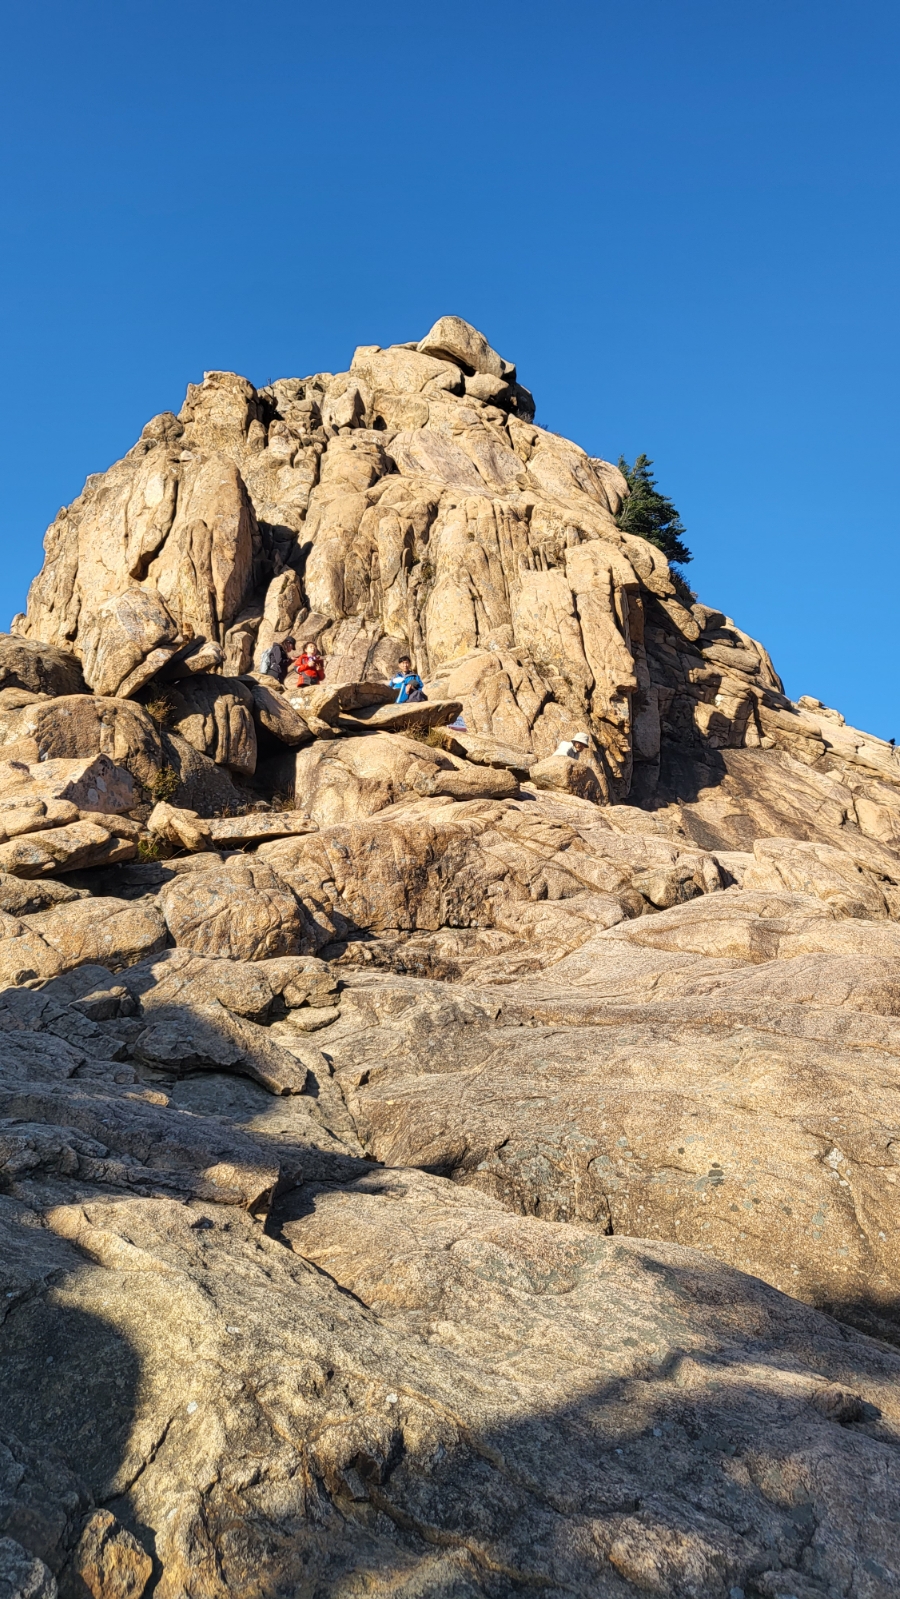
<point x="326" y="701"/>
<point x="27" y="813"/>
<point x="92" y="783"/>
<point x="228" y="831"/>
<point x="65" y="849"/>
<point x="485" y="751"/>
<point x="397" y="718"/>
<point x="706" y="1075"/>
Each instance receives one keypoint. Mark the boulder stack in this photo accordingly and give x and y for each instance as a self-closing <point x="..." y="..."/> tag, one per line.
<point x="431" y="1164"/>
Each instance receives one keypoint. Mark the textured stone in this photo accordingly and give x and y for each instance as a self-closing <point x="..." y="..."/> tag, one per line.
<point x="83" y="726"/>
<point x="93" y="783"/>
<point x="109" y="1560"/>
<point x="427" y="514"/>
<point x="453" y="339"/>
<point x="23" y="1576"/>
<point x="106" y="932"/>
<point x="412" y="1342"/>
<point x="570" y="777"/>
<point x="348" y="778"/>
<point x="38" y="667"/>
<point x="236" y="831"/>
<point x="242" y="910"/>
<point x="65" y="849"/>
<point x="273" y="712"/>
<point x="215" y="715"/>
<point x="178" y="826"/>
<point x="355" y="1168"/>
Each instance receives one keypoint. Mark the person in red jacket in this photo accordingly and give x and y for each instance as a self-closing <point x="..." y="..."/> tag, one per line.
<point x="310" y="666"/>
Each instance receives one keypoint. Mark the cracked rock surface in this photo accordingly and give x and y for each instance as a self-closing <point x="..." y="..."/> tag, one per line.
<point x="432" y="1167"/>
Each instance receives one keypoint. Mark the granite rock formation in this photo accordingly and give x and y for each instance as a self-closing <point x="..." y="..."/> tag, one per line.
<point x="431" y="1165"/>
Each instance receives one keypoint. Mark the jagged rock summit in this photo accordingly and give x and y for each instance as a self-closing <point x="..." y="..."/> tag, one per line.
<point x="431" y="1165"/>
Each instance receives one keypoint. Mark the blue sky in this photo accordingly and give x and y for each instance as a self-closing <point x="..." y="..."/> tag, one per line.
<point x="680" y="220"/>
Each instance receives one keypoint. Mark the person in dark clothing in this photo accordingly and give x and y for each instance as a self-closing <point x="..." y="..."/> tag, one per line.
<point x="275" y="661"/>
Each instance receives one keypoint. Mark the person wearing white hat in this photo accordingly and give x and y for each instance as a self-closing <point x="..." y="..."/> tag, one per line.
<point x="574" y="748"/>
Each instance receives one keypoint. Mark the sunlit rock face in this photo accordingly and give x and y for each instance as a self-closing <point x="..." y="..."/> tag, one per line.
<point x="436" y="1159"/>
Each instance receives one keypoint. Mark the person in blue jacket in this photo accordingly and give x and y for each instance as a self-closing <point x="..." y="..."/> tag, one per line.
<point x="407" y="682"/>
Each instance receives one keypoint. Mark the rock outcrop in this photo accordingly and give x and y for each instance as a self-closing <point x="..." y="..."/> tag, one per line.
<point x="430" y="1164"/>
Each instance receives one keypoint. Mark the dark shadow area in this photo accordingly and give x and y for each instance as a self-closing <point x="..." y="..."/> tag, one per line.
<point x="683" y="775"/>
<point x="694" y="1476"/>
<point x="711" y="1433"/>
<point x="69" y="1382"/>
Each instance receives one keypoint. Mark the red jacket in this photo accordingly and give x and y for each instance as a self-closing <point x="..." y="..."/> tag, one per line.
<point x="310" y="666"/>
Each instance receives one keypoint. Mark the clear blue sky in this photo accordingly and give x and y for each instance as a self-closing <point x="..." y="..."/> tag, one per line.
<point x="680" y="220"/>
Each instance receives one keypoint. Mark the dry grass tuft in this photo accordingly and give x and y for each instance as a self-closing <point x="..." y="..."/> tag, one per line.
<point x="165" y="785"/>
<point x="160" y="709"/>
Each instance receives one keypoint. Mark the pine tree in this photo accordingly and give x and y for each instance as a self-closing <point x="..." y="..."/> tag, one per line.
<point x="649" y="514"/>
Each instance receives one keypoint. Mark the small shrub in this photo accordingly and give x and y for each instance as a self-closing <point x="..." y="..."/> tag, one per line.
<point x="165" y="785"/>
<point x="160" y="709"/>
<point x="685" y="593"/>
<point x="432" y="736"/>
<point x="150" y="848"/>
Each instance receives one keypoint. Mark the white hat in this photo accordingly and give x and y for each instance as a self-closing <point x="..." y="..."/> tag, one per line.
<point x="581" y="738"/>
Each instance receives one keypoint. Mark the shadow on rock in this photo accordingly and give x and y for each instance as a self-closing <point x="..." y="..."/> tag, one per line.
<point x="69" y="1382"/>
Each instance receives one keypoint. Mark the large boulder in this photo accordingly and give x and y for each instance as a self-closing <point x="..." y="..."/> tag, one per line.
<point x="485" y="751"/>
<point x="41" y="668"/>
<point x="569" y="777"/>
<point x="76" y="726"/>
<point x="106" y="932"/>
<point x="326" y="701"/>
<point x="190" y="779"/>
<point x="89" y="783"/>
<point x="215" y="715"/>
<point x="344" y="779"/>
<point x="455" y="340"/>
<point x="274" y="713"/>
<point x="241" y="910"/>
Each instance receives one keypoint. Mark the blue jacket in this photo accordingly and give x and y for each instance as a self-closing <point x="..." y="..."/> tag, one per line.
<point x="406" y="683"/>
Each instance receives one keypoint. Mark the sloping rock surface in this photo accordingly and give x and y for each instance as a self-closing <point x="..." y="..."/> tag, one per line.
<point x="431" y="1165"/>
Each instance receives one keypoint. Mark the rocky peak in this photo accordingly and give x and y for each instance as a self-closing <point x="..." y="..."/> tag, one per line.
<point x="446" y="1147"/>
<point x="414" y="503"/>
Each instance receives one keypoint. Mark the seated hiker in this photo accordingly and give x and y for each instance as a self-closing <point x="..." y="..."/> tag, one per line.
<point x="310" y="666"/>
<point x="576" y="748"/>
<point x="407" y="682"/>
<point x="275" y="660"/>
